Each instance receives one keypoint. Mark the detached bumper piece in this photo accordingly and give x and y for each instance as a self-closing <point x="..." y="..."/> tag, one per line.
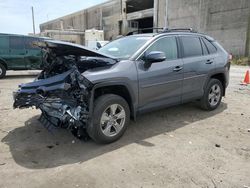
<point x="63" y="100"/>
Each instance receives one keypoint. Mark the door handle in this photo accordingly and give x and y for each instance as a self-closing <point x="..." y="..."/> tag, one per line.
<point x="177" y="69"/>
<point x="209" y="61"/>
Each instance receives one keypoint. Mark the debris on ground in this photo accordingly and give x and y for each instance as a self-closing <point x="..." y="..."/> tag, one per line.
<point x="50" y="147"/>
<point x="217" y="145"/>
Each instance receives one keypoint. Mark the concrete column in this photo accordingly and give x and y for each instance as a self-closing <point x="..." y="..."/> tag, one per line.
<point x="166" y="15"/>
<point x="124" y="17"/>
<point x="247" y="49"/>
<point x="156" y="12"/>
<point x="101" y="21"/>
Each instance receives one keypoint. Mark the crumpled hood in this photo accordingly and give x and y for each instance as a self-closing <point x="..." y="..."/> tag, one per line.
<point x="66" y="48"/>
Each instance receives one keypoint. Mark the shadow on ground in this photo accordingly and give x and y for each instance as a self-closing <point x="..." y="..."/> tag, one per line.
<point x="34" y="147"/>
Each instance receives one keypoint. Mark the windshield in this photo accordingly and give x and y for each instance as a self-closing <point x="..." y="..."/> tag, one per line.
<point x="125" y="47"/>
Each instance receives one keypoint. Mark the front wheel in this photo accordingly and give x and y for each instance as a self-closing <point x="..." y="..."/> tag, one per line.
<point x="110" y="119"/>
<point x="2" y="71"/>
<point x="212" y="95"/>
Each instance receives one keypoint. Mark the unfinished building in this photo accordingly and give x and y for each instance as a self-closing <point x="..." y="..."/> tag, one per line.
<point x="226" y="20"/>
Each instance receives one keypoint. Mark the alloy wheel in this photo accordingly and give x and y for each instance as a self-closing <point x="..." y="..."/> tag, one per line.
<point x="214" y="95"/>
<point x="113" y="120"/>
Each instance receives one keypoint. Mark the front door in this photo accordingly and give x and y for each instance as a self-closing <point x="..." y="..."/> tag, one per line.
<point x="161" y="84"/>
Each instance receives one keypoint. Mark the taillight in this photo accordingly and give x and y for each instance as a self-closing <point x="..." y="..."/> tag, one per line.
<point x="230" y="57"/>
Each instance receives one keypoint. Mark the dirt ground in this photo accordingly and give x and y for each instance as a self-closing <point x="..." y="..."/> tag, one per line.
<point x="175" y="147"/>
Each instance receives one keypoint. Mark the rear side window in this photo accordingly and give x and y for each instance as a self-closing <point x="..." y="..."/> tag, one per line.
<point x="167" y="45"/>
<point x="191" y="46"/>
<point x="4" y="42"/>
<point x="16" y="42"/>
<point x="211" y="48"/>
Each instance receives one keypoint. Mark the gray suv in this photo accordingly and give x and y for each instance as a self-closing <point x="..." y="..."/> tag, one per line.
<point x="96" y="93"/>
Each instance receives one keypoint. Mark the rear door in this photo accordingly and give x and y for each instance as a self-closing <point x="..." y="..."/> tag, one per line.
<point x="17" y="52"/>
<point x="198" y="63"/>
<point x="161" y="84"/>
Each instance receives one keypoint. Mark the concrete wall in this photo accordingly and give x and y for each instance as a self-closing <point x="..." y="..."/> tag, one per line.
<point x="104" y="16"/>
<point x="225" y="20"/>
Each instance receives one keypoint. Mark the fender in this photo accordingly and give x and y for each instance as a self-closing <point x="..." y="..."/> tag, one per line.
<point x="216" y="72"/>
<point x="134" y="99"/>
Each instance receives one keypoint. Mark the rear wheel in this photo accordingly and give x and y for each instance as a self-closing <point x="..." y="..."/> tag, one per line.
<point x="2" y="71"/>
<point x="212" y="96"/>
<point x="111" y="117"/>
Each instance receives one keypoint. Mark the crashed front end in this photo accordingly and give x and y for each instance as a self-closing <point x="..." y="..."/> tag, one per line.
<point x="63" y="99"/>
<point x="61" y="92"/>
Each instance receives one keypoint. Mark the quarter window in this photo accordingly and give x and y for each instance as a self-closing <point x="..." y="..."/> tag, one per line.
<point x="167" y="45"/>
<point x="191" y="46"/>
<point x="16" y="43"/>
<point x="211" y="48"/>
<point x="204" y="48"/>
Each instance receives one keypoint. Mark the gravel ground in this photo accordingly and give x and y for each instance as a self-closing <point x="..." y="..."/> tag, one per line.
<point x="177" y="147"/>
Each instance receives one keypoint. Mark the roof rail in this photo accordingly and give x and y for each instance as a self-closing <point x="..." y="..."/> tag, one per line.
<point x="167" y="30"/>
<point x="139" y="31"/>
<point x="161" y="30"/>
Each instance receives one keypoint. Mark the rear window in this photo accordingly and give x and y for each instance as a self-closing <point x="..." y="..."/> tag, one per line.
<point x="16" y="42"/>
<point x="211" y="48"/>
<point x="4" y="42"/>
<point x="191" y="46"/>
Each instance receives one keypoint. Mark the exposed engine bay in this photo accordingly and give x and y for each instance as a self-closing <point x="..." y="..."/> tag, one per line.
<point x="60" y="91"/>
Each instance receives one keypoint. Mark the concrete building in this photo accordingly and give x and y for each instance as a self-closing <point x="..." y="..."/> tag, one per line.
<point x="226" y="20"/>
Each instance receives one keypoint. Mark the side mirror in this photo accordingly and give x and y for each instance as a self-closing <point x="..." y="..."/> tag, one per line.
<point x="154" y="57"/>
<point x="98" y="45"/>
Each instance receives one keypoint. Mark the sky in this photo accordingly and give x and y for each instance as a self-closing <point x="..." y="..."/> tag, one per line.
<point x="16" y="17"/>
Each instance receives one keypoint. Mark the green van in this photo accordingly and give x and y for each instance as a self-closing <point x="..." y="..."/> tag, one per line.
<point x="18" y="53"/>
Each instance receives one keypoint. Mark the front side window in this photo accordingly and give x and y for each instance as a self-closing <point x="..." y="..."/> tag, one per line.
<point x="167" y="45"/>
<point x="16" y="42"/>
<point x="125" y="47"/>
<point x="191" y="46"/>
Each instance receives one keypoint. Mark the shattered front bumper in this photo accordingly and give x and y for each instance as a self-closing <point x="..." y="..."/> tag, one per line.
<point x="61" y="98"/>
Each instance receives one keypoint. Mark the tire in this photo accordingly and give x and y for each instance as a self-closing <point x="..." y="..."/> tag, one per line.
<point x="105" y="127"/>
<point x="212" y="95"/>
<point x="2" y="71"/>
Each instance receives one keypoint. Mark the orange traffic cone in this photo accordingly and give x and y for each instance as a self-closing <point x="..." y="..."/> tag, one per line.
<point x="247" y="78"/>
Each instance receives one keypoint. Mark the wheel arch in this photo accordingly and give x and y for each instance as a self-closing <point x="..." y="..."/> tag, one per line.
<point x="4" y="63"/>
<point x="221" y="77"/>
<point x="118" y="88"/>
